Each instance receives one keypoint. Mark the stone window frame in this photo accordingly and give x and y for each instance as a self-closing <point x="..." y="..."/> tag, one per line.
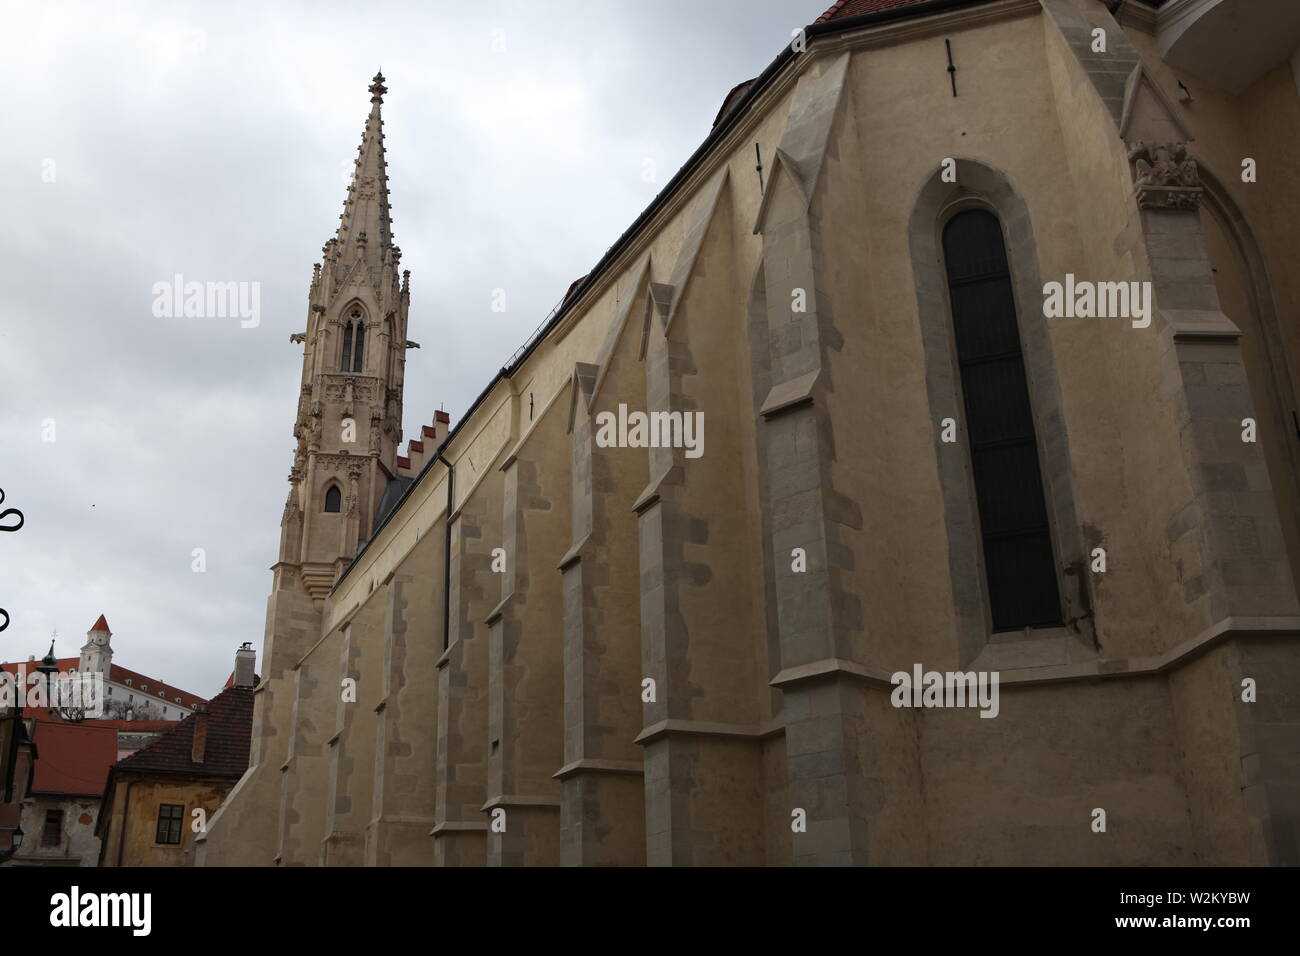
<point x="980" y="186"/>
<point x="349" y="326"/>
<point x="325" y="495"/>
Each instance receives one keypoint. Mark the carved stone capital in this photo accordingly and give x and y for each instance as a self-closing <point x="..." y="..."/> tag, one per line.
<point x="1164" y="176"/>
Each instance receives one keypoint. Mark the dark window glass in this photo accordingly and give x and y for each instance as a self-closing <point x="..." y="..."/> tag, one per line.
<point x="52" y="833"/>
<point x="357" y="356"/>
<point x="332" y="498"/>
<point x="347" y="347"/>
<point x="1018" y="558"/>
<point x="170" y="816"/>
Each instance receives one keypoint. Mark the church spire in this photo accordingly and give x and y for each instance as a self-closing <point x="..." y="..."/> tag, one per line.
<point x="365" y="226"/>
<point x="354" y="355"/>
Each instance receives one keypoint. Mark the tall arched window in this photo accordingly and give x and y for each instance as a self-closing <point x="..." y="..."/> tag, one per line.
<point x="1019" y="562"/>
<point x="333" y="499"/>
<point x="354" y="341"/>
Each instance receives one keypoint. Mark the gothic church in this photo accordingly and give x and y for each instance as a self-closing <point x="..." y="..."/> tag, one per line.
<point x="513" y="644"/>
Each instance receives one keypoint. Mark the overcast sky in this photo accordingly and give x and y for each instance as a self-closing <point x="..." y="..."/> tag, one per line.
<point x="138" y="141"/>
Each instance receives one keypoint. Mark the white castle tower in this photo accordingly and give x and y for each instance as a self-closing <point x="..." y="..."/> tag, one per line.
<point x="97" y="652"/>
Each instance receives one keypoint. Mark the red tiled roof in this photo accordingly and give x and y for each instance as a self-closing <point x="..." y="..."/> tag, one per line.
<point x="139" y="682"/>
<point x="72" y="757"/>
<point x="101" y="625"/>
<point x="852" y="8"/>
<point x="229" y="734"/>
<point x="131" y="726"/>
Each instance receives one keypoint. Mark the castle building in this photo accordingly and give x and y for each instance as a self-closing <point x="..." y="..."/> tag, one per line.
<point x="128" y="695"/>
<point x="963" y="346"/>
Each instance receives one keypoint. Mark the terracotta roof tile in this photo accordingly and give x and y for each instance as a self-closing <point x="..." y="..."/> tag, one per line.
<point x="101" y="625"/>
<point x="72" y="757"/>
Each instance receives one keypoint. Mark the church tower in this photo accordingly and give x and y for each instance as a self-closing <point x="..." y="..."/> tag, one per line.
<point x="347" y="429"/>
<point x="350" y="402"/>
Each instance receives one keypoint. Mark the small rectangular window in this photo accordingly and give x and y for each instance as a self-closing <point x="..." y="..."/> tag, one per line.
<point x="52" y="834"/>
<point x="170" y="816"/>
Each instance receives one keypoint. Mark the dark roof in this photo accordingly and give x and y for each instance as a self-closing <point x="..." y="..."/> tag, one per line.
<point x="730" y="101"/>
<point x="573" y="285"/>
<point x="852" y="8"/>
<point x="392" y="495"/>
<point x="230" y="732"/>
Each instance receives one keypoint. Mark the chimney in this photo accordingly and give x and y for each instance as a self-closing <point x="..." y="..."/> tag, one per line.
<point x="200" y="746"/>
<point x="245" y="663"/>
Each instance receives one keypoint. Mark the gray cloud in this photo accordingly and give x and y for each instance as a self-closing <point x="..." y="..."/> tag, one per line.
<point x="213" y="141"/>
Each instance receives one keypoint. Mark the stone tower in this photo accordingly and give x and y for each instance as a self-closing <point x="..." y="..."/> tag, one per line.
<point x="350" y="403"/>
<point x="347" y="429"/>
<point x="97" y="652"/>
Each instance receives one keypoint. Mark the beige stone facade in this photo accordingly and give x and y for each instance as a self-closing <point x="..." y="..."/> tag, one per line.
<point x="569" y="653"/>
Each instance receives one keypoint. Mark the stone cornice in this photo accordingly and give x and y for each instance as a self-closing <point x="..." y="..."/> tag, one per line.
<point x="1226" y="630"/>
<point x="457" y="826"/>
<point x="706" y="728"/>
<point x="597" y="765"/>
<point x="521" y="800"/>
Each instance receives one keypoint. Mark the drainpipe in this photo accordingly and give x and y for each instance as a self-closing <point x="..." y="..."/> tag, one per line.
<point x="446" y="554"/>
<point x="126" y="812"/>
